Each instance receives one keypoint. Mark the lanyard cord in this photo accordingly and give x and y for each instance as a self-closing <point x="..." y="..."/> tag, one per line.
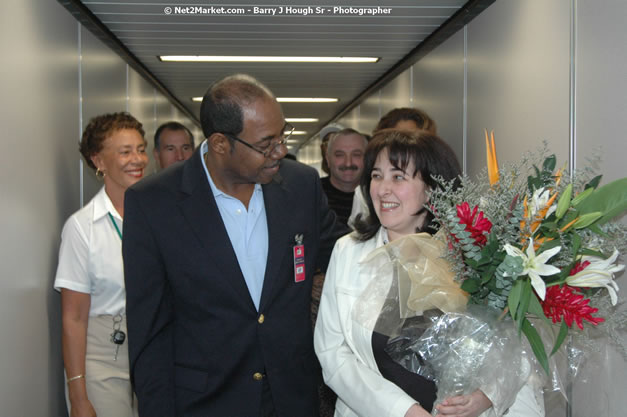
<point x="117" y="229"/>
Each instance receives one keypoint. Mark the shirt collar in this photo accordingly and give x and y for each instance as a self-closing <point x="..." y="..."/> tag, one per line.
<point x="204" y="148"/>
<point x="104" y="206"/>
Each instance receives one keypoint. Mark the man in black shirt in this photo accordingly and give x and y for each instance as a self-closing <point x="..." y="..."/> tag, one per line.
<point x="345" y="157"/>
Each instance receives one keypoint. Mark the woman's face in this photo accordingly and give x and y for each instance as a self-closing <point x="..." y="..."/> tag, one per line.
<point x="397" y="196"/>
<point x="122" y="159"/>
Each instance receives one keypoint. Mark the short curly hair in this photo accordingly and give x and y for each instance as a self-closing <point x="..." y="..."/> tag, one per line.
<point x="100" y="128"/>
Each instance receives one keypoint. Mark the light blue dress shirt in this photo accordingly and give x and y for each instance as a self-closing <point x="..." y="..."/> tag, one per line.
<point x="247" y="230"/>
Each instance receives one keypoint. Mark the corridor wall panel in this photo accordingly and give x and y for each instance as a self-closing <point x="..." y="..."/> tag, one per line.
<point x="369" y="113"/>
<point x="396" y="93"/>
<point x="103" y="89"/>
<point x="39" y="184"/>
<point x="518" y="82"/>
<point x="141" y="104"/>
<point x="438" y="89"/>
<point x="601" y="111"/>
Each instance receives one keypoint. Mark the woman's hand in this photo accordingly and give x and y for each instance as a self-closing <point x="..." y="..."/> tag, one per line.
<point x="417" y="411"/>
<point x="470" y="405"/>
<point x="82" y="408"/>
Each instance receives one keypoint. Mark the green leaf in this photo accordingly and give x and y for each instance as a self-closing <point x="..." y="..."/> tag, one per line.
<point x="564" y="201"/>
<point x="590" y="252"/>
<point x="576" y="244"/>
<point x="594" y="182"/>
<point x="581" y="197"/>
<point x="560" y="337"/>
<point x="536" y="344"/>
<point x="470" y="286"/>
<point x="610" y="199"/>
<point x="525" y="297"/>
<point x="514" y="298"/>
<point x="587" y="219"/>
<point x="548" y="245"/>
<point x="549" y="163"/>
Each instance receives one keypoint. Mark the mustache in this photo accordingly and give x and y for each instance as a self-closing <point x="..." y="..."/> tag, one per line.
<point x="349" y="168"/>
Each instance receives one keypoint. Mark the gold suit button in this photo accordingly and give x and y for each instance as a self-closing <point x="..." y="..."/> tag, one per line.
<point x="261" y="319"/>
<point x="257" y="376"/>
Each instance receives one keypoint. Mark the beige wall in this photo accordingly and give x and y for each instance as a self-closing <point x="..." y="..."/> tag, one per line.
<point x="48" y="95"/>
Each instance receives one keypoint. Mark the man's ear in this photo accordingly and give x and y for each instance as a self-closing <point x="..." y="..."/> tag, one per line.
<point x="219" y="144"/>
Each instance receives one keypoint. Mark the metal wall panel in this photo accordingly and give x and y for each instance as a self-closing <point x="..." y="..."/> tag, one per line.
<point x="518" y="85"/>
<point x="39" y="177"/>
<point x="141" y="104"/>
<point x="397" y="93"/>
<point x="103" y="86"/>
<point x="370" y="113"/>
<point x="438" y="89"/>
<point x="601" y="113"/>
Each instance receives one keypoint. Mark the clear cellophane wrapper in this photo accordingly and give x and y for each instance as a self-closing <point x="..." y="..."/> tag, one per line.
<point x="413" y="298"/>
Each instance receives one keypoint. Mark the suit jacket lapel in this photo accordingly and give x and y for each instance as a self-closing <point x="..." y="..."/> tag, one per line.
<point x="201" y="211"/>
<point x="275" y="199"/>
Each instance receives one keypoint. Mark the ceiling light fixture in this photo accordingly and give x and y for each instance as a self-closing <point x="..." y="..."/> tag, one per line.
<point x="216" y="58"/>
<point x="294" y="99"/>
<point x="306" y="100"/>
<point x="301" y="119"/>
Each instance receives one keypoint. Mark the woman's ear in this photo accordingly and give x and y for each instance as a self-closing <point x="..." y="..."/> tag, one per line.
<point x="96" y="159"/>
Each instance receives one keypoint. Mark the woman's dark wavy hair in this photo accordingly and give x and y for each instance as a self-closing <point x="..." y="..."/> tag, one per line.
<point x="431" y="157"/>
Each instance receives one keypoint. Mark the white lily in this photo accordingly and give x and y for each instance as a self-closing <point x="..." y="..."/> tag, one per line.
<point x="539" y="201"/>
<point x="599" y="273"/>
<point x="535" y="266"/>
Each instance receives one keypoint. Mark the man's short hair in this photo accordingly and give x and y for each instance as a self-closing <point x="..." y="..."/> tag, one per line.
<point x="345" y="132"/>
<point x="172" y="126"/>
<point x="221" y="108"/>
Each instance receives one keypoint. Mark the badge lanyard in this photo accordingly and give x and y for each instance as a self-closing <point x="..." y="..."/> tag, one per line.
<point x="117" y="229"/>
<point x="118" y="336"/>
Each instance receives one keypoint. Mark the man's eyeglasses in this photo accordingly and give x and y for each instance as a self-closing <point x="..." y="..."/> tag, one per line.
<point x="266" y="150"/>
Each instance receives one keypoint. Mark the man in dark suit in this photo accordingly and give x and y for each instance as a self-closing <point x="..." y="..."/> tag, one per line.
<point x="219" y="255"/>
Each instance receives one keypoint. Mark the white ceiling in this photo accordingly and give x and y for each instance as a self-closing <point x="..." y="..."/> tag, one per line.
<point x="146" y="31"/>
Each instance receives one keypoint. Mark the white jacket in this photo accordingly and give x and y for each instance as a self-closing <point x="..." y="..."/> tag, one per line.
<point x="344" y="347"/>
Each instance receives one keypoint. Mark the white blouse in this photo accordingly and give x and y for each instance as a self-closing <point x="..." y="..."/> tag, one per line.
<point x="90" y="257"/>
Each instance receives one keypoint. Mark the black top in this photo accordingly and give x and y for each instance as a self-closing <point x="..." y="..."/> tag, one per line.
<point x="419" y="388"/>
<point x="339" y="201"/>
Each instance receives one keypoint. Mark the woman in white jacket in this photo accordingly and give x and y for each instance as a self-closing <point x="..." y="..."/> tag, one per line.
<point x="398" y="170"/>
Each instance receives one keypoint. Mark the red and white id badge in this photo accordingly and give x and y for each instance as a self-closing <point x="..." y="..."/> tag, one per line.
<point x="299" y="263"/>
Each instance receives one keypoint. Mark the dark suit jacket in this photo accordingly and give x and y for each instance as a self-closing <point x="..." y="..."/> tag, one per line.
<point x="196" y="341"/>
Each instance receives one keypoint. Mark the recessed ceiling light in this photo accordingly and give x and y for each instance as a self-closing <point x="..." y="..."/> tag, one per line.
<point x="301" y="119"/>
<point x="216" y="58"/>
<point x="294" y="99"/>
<point x="306" y="100"/>
<point x="298" y="132"/>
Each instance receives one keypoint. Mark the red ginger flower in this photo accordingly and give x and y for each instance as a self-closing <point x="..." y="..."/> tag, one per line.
<point x="579" y="266"/>
<point x="476" y="226"/>
<point x="565" y="302"/>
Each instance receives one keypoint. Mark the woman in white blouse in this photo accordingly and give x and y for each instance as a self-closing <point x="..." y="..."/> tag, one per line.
<point x="398" y="170"/>
<point x="90" y="274"/>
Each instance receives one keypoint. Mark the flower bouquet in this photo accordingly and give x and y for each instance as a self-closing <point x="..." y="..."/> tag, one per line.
<point x="514" y="254"/>
<point x="543" y="249"/>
